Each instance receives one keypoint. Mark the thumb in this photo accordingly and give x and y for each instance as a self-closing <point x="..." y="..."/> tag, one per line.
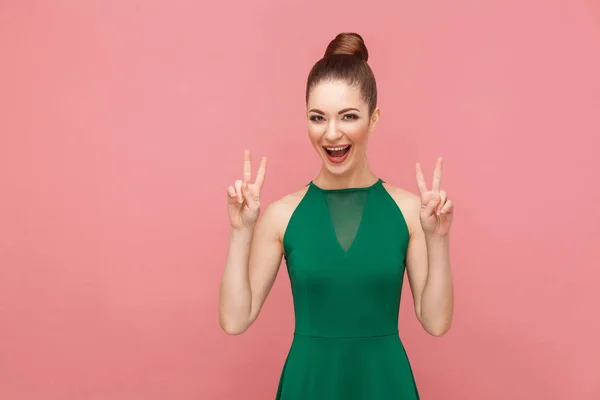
<point x="250" y="197"/>
<point x="431" y="205"/>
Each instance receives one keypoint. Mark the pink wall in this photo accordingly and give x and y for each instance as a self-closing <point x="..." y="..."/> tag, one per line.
<point x="124" y="121"/>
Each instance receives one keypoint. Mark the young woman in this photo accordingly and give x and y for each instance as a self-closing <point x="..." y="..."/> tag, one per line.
<point x="347" y="238"/>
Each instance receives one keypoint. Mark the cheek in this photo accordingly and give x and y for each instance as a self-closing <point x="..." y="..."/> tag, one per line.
<point x="357" y="133"/>
<point x="315" y="132"/>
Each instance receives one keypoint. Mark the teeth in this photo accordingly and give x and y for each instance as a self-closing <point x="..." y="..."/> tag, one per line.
<point x="337" y="148"/>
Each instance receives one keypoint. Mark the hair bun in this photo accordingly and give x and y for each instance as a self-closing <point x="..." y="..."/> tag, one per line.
<point x="348" y="43"/>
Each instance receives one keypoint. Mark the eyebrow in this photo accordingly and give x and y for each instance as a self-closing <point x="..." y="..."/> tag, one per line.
<point x="345" y="110"/>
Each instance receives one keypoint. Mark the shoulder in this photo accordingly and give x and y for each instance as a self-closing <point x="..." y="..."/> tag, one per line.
<point x="286" y="205"/>
<point x="279" y="212"/>
<point x="408" y="202"/>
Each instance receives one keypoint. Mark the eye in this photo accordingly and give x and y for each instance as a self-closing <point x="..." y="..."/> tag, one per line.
<point x="349" y="117"/>
<point x="316" y="118"/>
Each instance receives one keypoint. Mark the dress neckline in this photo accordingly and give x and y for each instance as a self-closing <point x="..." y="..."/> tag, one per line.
<point x="352" y="189"/>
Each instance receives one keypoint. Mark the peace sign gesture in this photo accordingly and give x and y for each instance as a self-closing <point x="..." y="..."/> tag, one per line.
<point x="436" y="210"/>
<point x="243" y="201"/>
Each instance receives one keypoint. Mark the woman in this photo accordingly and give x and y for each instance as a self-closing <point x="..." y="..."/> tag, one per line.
<point x="347" y="238"/>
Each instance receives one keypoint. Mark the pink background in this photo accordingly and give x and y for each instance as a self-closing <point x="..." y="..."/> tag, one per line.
<point x="123" y="122"/>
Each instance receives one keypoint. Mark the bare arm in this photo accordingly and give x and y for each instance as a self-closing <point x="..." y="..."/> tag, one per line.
<point x="255" y="251"/>
<point x="252" y="264"/>
<point x="429" y="218"/>
<point x="430" y="278"/>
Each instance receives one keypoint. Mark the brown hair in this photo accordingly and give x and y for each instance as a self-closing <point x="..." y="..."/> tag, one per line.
<point x="346" y="60"/>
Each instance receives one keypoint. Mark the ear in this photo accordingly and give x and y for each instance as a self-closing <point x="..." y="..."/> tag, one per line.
<point x="374" y="119"/>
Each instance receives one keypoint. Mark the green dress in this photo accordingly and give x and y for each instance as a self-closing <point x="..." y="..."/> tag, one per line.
<point x="345" y="253"/>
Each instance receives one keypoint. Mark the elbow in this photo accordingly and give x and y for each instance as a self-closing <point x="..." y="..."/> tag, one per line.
<point x="232" y="327"/>
<point x="437" y="331"/>
<point x="435" y="328"/>
<point x="232" y="331"/>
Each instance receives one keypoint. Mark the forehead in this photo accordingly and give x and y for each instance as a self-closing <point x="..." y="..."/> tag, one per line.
<point x="335" y="95"/>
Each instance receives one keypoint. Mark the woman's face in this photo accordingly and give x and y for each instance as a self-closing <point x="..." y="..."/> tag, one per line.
<point x="339" y="125"/>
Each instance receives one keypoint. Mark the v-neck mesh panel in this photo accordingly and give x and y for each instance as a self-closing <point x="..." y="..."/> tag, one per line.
<point x="346" y="210"/>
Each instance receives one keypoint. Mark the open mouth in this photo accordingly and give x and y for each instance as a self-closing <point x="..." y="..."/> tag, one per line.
<point x="337" y="154"/>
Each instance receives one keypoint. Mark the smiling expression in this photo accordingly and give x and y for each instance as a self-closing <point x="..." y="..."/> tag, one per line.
<point x="339" y="125"/>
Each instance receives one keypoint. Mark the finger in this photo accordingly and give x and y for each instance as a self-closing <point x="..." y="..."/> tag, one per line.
<point x="448" y="207"/>
<point x="260" y="175"/>
<point x="421" y="180"/>
<point x="433" y="203"/>
<point x="247" y="167"/>
<point x="251" y="197"/>
<point x="437" y="175"/>
<point x="238" y="191"/>
<point x="231" y="193"/>
<point x="442" y="201"/>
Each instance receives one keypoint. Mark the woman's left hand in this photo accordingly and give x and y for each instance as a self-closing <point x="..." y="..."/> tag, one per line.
<point x="436" y="209"/>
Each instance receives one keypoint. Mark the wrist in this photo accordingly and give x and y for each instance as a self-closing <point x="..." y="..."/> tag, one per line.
<point x="241" y="231"/>
<point x="434" y="239"/>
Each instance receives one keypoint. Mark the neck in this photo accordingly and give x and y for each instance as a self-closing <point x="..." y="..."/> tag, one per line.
<point x="360" y="176"/>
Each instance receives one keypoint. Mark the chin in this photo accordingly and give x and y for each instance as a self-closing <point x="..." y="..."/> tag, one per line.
<point x="337" y="170"/>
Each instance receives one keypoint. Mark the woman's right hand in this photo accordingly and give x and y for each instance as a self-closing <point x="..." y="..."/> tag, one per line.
<point x="243" y="200"/>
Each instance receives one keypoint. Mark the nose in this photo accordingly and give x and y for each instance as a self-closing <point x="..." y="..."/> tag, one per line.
<point x="332" y="133"/>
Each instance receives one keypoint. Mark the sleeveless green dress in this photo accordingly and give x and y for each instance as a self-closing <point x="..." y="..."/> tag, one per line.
<point x="345" y="253"/>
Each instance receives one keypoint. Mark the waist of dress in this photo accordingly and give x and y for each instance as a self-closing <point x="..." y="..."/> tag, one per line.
<point x="346" y="336"/>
